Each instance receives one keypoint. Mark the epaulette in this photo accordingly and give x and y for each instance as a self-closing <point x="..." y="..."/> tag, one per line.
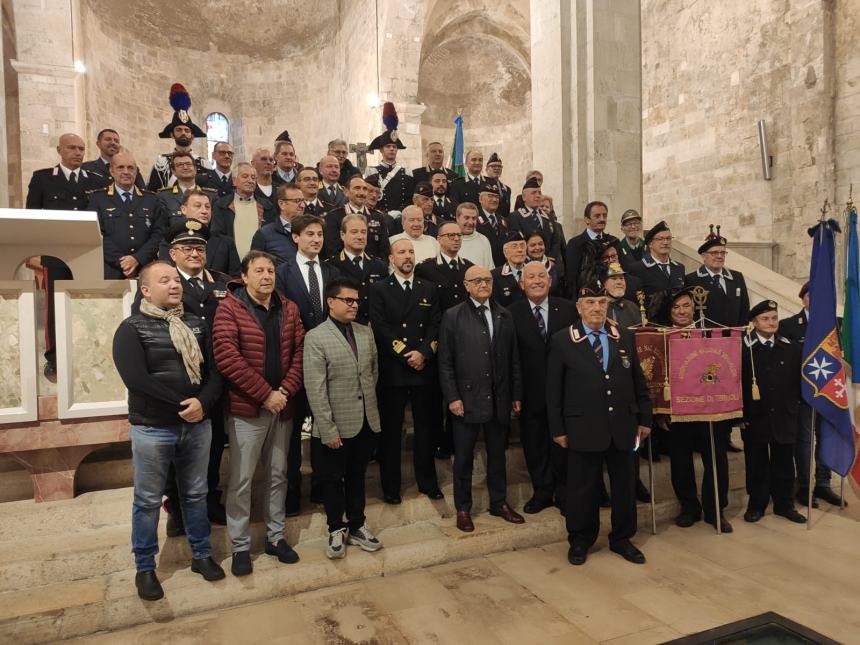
<point x="612" y="331"/>
<point x="97" y="190"/>
<point x="166" y="188"/>
<point x="206" y="189"/>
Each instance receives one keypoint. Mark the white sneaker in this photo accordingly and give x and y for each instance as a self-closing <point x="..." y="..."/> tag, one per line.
<point x="365" y="539"/>
<point x="336" y="544"/>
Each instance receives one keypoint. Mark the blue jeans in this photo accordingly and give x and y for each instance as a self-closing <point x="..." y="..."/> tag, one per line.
<point x="153" y="449"/>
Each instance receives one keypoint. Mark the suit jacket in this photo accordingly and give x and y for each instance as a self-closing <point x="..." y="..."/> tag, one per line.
<point x="449" y="282"/>
<point x="496" y="235"/>
<point x="372" y="270"/>
<point x="550" y="230"/>
<point x="341" y="388"/>
<point x="773" y="418"/>
<point x="484" y="374"/>
<point x="210" y="179"/>
<point x="654" y="279"/>
<point x="338" y="201"/>
<point x="102" y="169"/>
<point x="402" y="323"/>
<point x="377" y="233"/>
<point x="534" y="348"/>
<point x="573" y="254"/>
<point x="49" y="189"/>
<point x="591" y="407"/>
<point x="224" y="215"/>
<point x="423" y="174"/>
<point x="273" y="239"/>
<point x="731" y="308"/>
<point x="291" y="283"/>
<point x="134" y="229"/>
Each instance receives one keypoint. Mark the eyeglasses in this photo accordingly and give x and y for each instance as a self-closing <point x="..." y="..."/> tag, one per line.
<point x="662" y="238"/>
<point x="349" y="302"/>
<point x="480" y="281"/>
<point x="229" y="153"/>
<point x="295" y="200"/>
<point x="183" y="164"/>
<point x="191" y="250"/>
<point x="453" y="236"/>
<point x="718" y="254"/>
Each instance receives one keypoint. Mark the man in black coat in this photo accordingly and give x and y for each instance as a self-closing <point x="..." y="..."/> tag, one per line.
<point x="531" y="218"/>
<point x="728" y="300"/>
<point x="330" y="190"/>
<point x="219" y="178"/>
<point x="481" y="379"/>
<point x="107" y="141"/>
<point x="353" y="261"/>
<point x="405" y="316"/>
<point x="377" y="244"/>
<point x="596" y="214"/>
<point x="770" y="419"/>
<point x="444" y="208"/>
<point x="465" y="189"/>
<point x="276" y="238"/>
<point x="435" y="163"/>
<point x="599" y="409"/>
<point x="658" y="271"/>
<point x="506" y="278"/>
<point x="491" y="223"/>
<point x="537" y="317"/>
<point x="253" y="213"/>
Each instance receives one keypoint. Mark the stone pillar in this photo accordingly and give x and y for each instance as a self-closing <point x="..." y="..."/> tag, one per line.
<point x="586" y="104"/>
<point x="4" y="157"/>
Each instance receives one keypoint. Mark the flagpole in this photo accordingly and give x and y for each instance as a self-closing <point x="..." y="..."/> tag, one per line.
<point x="809" y="483"/>
<point x="651" y="484"/>
<point x="841" y="493"/>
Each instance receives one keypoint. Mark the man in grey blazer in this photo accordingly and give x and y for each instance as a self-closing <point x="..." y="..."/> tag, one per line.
<point x="340" y="366"/>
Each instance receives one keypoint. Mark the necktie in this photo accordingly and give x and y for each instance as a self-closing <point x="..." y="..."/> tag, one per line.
<point x="453" y="265"/>
<point x="197" y="282"/>
<point x="665" y="268"/>
<point x="350" y="338"/>
<point x="126" y="198"/>
<point x="331" y="193"/>
<point x="540" y="323"/>
<point x="406" y="287"/>
<point x="718" y="283"/>
<point x="314" y="290"/>
<point x="537" y="219"/>
<point x="768" y="343"/>
<point x="492" y="219"/>
<point x="597" y="346"/>
<point x="517" y="273"/>
<point x="225" y="183"/>
<point x="73" y="178"/>
<point x="357" y="262"/>
<point x="482" y="314"/>
<point x="439" y="202"/>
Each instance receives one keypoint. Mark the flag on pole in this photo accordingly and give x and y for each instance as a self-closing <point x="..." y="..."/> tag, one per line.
<point x="457" y="162"/>
<point x="823" y="380"/>
<point x="851" y="312"/>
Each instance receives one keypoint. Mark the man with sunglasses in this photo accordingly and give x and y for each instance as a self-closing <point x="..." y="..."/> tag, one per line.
<point x="728" y="300"/>
<point x="276" y="238"/>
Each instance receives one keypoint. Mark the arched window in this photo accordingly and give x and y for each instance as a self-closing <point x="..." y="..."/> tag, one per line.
<point x="217" y="130"/>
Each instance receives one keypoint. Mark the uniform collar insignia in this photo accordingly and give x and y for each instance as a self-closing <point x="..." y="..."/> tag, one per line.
<point x="576" y="336"/>
<point x="703" y="272"/>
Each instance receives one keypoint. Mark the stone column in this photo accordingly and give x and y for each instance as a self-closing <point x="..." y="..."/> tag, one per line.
<point x="4" y="158"/>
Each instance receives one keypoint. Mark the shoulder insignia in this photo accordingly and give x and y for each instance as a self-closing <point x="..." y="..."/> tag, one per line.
<point x="206" y="189"/>
<point x="702" y="272"/>
<point x="648" y="261"/>
<point x="783" y="339"/>
<point x="674" y="262"/>
<point x="800" y="320"/>
<point x="748" y="341"/>
<point x="575" y="334"/>
<point x="727" y="274"/>
<point x="613" y="332"/>
<point x="342" y="256"/>
<point x="433" y="345"/>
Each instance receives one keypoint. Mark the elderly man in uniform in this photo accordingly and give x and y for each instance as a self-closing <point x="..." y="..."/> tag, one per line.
<point x="632" y="245"/>
<point x="531" y="218"/>
<point x="599" y="410"/>
<point x="728" y="300"/>
<point x="425" y="245"/>
<point x="506" y="278"/>
<point x="620" y="310"/>
<point x="330" y="190"/>
<point x="183" y="131"/>
<point x="491" y="224"/>
<point x="435" y="163"/>
<point x="770" y="424"/>
<point x="481" y="379"/>
<point x="657" y="270"/>
<point x="494" y="172"/>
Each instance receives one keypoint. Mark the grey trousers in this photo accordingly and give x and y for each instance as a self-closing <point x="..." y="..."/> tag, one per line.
<point x="252" y="439"/>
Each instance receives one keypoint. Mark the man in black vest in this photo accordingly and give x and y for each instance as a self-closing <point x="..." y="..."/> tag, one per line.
<point x="537" y="317"/>
<point x="599" y="410"/>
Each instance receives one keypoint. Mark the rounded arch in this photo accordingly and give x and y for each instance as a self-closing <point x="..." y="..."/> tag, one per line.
<point x="217" y="131"/>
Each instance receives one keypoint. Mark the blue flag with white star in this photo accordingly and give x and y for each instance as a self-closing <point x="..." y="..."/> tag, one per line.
<point x="823" y="380"/>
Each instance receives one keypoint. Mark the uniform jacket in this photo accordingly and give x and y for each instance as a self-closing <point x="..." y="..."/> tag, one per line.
<point x="316" y="207"/>
<point x="447" y="210"/>
<point x="506" y="288"/>
<point x="794" y="328"/>
<point x="449" y="282"/>
<point x="625" y="312"/>
<point x="654" y="279"/>
<point x="49" y="189"/>
<point x="534" y="349"/>
<point x="161" y="177"/>
<point x="731" y="308"/>
<point x="240" y="352"/>
<point x="372" y="270"/>
<point x="224" y="215"/>
<point x="574" y="252"/>
<point x="102" y="170"/>
<point x="291" y="284"/>
<point x="463" y="189"/>
<point x="495" y="235"/>
<point x="221" y="255"/>
<point x="550" y="230"/>
<point x="592" y="407"/>
<point x="338" y="200"/>
<point x="484" y="374"/>
<point x="402" y="323"/>
<point x="134" y="229"/>
<point x="170" y="200"/>
<point x="423" y="174"/>
<point x="341" y="387"/>
<point x="210" y="179"/>
<point x="396" y="190"/>
<point x="377" y="232"/>
<point x="777" y="370"/>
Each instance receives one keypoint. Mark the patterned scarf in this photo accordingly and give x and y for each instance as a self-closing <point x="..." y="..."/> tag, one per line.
<point x="181" y="336"/>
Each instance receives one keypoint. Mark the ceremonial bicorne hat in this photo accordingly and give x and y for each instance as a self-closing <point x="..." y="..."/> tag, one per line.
<point x="390" y="121"/>
<point x="180" y="101"/>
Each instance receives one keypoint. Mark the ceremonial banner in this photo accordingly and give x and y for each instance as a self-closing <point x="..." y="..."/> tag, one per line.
<point x="651" y="348"/>
<point x="705" y="377"/>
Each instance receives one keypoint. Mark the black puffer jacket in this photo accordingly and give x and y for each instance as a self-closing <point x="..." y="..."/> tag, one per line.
<point x="154" y="373"/>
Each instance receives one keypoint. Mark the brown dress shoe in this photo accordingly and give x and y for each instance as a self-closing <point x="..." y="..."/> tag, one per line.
<point x="507" y="513"/>
<point x="464" y="521"/>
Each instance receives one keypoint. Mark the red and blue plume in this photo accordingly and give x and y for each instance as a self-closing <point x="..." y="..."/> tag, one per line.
<point x="180" y="99"/>
<point x="389" y="116"/>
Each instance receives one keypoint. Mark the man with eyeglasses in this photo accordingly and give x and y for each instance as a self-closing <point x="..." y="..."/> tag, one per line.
<point x="506" y="278"/>
<point x="728" y="299"/>
<point x="339" y="149"/>
<point x="632" y="246"/>
<point x="656" y="269"/>
<point x="490" y="222"/>
<point x="264" y="164"/>
<point x="494" y="172"/>
<point x="376" y="242"/>
<point x="276" y="238"/>
<point x="219" y="178"/>
<point x="405" y="316"/>
<point x="308" y="180"/>
<point x="170" y="197"/>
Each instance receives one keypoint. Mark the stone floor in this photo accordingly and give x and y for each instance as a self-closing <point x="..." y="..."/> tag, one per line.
<point x="693" y="580"/>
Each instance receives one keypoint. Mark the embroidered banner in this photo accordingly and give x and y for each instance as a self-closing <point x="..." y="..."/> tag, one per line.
<point x="705" y="377"/>
<point x="651" y="348"/>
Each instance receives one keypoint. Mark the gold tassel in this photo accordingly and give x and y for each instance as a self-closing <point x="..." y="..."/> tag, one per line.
<point x="667" y="395"/>
<point x="756" y="395"/>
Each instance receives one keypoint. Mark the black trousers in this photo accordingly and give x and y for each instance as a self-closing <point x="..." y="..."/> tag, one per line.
<point x="294" y="456"/>
<point x="53" y="269"/>
<point x="465" y="438"/>
<point x="392" y="408"/>
<point x="769" y="474"/>
<point x="584" y="486"/>
<point x="213" y="471"/>
<point x="443" y="429"/>
<point x="545" y="459"/>
<point x="687" y="438"/>
<point x="341" y="472"/>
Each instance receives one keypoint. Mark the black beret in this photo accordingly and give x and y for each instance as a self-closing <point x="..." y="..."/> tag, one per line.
<point x="531" y="182"/>
<point x="659" y="227"/>
<point x="373" y="180"/>
<point x="188" y="230"/>
<point x="592" y="290"/>
<point x="717" y="240"/>
<point x="423" y="188"/>
<point x="494" y="158"/>
<point x="514" y="236"/>
<point x="489" y="186"/>
<point x="762" y="307"/>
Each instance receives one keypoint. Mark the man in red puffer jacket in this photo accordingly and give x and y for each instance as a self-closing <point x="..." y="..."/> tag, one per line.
<point x="259" y="340"/>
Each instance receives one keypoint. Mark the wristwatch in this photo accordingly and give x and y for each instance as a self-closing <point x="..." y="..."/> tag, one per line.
<point x="284" y="392"/>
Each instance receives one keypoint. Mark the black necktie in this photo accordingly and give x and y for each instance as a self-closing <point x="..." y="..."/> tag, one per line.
<point x="453" y="265"/>
<point x="350" y="338"/>
<point x="598" y="348"/>
<point x="225" y="183"/>
<point x="540" y="323"/>
<point x="314" y="290"/>
<point x="73" y="178"/>
<point x="482" y="309"/>
<point x="537" y="219"/>
<point x="406" y="287"/>
<point x="439" y="202"/>
<point x="666" y="270"/>
<point x="718" y="283"/>
<point x="126" y="198"/>
<point x="197" y="282"/>
<point x="357" y="262"/>
<point x="331" y="192"/>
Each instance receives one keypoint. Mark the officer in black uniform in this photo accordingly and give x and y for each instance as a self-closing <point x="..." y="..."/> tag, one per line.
<point x="405" y="317"/>
<point x="444" y="208"/>
<point x="772" y="398"/>
<point x="656" y="269"/>
<point x="632" y="246"/>
<point x="183" y="131"/>
<point x="597" y="407"/>
<point x="494" y="172"/>
<point x="530" y="219"/>
<point x="395" y="181"/>
<point x="465" y="189"/>
<point x="728" y="300"/>
<point x="169" y="198"/>
<point x="506" y="278"/>
<point x="435" y="163"/>
<point x="219" y="178"/>
<point x="130" y="224"/>
<point x="354" y="261"/>
<point x="376" y="245"/>
<point x="107" y="141"/>
<point x="491" y="224"/>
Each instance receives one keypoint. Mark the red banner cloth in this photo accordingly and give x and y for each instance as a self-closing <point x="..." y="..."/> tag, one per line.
<point x="651" y="348"/>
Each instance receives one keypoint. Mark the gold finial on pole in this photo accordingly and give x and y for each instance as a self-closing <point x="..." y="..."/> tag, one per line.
<point x="700" y="297"/>
<point x="640" y="298"/>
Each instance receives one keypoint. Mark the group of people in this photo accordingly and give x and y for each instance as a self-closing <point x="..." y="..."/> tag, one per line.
<point x="272" y="294"/>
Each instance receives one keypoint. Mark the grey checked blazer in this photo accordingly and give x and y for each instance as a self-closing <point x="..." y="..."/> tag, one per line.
<point x="341" y="390"/>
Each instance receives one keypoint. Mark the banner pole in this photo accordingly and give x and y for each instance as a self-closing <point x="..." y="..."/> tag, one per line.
<point x="810" y="481"/>
<point x="717" y="518"/>
<point x="841" y="493"/>
<point x="651" y="485"/>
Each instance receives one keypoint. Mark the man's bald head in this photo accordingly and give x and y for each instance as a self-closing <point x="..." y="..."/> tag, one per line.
<point x="479" y="283"/>
<point x="123" y="169"/>
<point x="71" y="149"/>
<point x="535" y="282"/>
<point x="330" y="168"/>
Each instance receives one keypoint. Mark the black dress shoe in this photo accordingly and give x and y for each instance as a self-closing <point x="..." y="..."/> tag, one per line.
<point x="628" y="552"/>
<point x="208" y="568"/>
<point x="392" y="499"/>
<point x="753" y="516"/>
<point x="536" y="505"/>
<point x="725" y="525"/>
<point x="686" y="520"/>
<point x="241" y="565"/>
<point x="642" y="493"/>
<point x="802" y="498"/>
<point x="293" y="504"/>
<point x="826" y="493"/>
<point x="148" y="586"/>
<point x="175" y="526"/>
<point x="283" y="551"/>
<point x="577" y="555"/>
<point x="791" y="515"/>
<point x="441" y="454"/>
<point x="434" y="494"/>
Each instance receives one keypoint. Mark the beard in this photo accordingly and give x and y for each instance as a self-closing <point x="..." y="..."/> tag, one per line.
<point x="183" y="141"/>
